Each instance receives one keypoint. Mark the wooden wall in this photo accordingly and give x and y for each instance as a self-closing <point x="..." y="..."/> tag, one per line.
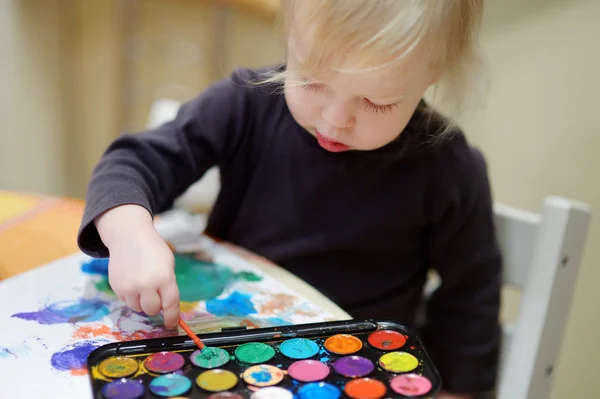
<point x="109" y="60"/>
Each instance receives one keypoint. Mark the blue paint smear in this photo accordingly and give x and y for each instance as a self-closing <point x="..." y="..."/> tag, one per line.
<point x="68" y="312"/>
<point x="15" y="351"/>
<point x="324" y="355"/>
<point x="96" y="266"/>
<point x="261" y="376"/>
<point x="74" y="356"/>
<point x="236" y="304"/>
<point x="276" y="321"/>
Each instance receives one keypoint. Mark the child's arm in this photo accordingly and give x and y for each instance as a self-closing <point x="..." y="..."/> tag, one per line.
<point x="141" y="174"/>
<point x="140" y="270"/>
<point x="463" y="331"/>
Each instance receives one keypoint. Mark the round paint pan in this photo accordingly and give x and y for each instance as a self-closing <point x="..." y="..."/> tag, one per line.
<point x="343" y="344"/>
<point x="217" y="380"/>
<point x="410" y="385"/>
<point x="118" y="367"/>
<point x="254" y="353"/>
<point x="164" y="362"/>
<point x="308" y="370"/>
<point x="398" y="362"/>
<point x="263" y="375"/>
<point x="272" y="393"/>
<point x="210" y="358"/>
<point x="299" y="348"/>
<point x="320" y="390"/>
<point x="225" y="395"/>
<point x="353" y="366"/>
<point x="386" y="340"/>
<point x="123" y="389"/>
<point x="170" y="385"/>
<point x="365" y="388"/>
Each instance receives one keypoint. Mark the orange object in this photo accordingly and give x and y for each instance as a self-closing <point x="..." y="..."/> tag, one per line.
<point x="343" y="344"/>
<point x="365" y="388"/>
<point x="49" y="225"/>
<point x="191" y="334"/>
<point x="387" y="340"/>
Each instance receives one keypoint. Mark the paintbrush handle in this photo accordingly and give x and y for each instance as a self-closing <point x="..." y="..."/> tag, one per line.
<point x="191" y="334"/>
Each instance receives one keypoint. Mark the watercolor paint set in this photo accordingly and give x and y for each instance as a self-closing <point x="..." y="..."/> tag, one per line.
<point x="358" y="359"/>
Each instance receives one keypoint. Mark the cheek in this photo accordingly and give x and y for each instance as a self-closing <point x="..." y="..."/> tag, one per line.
<point x="397" y="122"/>
<point x="378" y="130"/>
<point x="301" y="105"/>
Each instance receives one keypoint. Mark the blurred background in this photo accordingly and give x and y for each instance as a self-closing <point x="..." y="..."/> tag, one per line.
<point x="74" y="74"/>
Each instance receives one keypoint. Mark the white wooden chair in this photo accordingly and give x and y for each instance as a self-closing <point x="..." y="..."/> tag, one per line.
<point x="541" y="257"/>
<point x="542" y="254"/>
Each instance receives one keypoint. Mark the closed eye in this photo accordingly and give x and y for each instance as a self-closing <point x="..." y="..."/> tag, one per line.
<point x="313" y="86"/>
<point x="369" y="105"/>
<point x="379" y="109"/>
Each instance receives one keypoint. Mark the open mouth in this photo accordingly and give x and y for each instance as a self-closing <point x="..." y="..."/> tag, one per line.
<point x="330" y="145"/>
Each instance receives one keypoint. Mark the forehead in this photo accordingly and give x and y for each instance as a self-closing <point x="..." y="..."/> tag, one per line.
<point x="388" y="78"/>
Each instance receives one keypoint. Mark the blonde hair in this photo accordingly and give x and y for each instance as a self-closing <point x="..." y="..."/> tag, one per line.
<point x="375" y="33"/>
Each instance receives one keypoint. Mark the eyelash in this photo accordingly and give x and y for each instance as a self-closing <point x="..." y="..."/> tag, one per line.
<point x="383" y="109"/>
<point x="376" y="108"/>
<point x="312" y="86"/>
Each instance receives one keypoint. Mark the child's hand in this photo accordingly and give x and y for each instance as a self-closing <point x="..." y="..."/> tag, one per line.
<point x="141" y="265"/>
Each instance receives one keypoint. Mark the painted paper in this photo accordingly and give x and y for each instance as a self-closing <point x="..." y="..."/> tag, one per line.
<point x="52" y="317"/>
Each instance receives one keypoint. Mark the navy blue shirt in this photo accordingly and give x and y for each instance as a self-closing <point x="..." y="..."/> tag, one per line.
<point x="363" y="227"/>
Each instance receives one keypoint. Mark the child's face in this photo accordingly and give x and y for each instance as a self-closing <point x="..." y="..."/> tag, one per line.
<point x="356" y="110"/>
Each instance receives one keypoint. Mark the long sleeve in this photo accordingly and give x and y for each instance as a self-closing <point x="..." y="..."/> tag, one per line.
<point x="462" y="331"/>
<point x="152" y="168"/>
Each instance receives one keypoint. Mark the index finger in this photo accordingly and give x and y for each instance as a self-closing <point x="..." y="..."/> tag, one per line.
<point x="169" y="296"/>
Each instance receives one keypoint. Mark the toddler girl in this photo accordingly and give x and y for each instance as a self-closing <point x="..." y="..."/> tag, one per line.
<point x="332" y="165"/>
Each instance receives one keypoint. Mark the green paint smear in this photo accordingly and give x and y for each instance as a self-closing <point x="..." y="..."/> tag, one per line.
<point x="249" y="276"/>
<point x="197" y="280"/>
<point x="210" y="358"/>
<point x="103" y="286"/>
<point x="254" y="352"/>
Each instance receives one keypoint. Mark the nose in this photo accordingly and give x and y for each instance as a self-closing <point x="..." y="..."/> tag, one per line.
<point x="338" y="115"/>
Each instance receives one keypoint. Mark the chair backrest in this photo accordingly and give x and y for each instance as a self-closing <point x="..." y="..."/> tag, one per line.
<point x="542" y="253"/>
<point x="162" y="111"/>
